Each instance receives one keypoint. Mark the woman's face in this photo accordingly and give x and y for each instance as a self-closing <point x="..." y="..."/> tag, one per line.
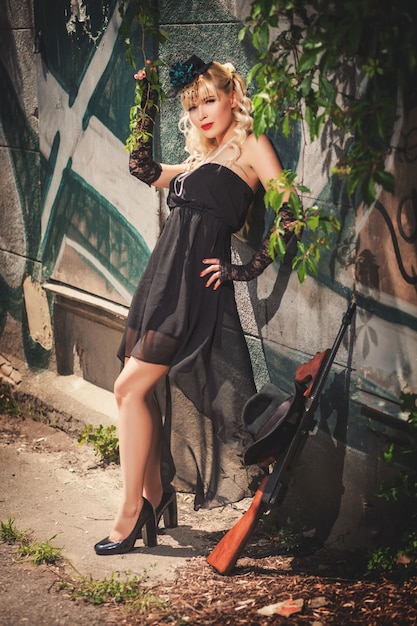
<point x="213" y="115"/>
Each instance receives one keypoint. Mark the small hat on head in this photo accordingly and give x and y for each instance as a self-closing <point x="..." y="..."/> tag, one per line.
<point x="184" y="73"/>
<point x="266" y="416"/>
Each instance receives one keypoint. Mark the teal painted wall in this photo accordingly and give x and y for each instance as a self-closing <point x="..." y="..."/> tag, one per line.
<point x="84" y="104"/>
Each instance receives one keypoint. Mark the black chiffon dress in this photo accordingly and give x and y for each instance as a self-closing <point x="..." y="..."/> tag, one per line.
<point x="175" y="320"/>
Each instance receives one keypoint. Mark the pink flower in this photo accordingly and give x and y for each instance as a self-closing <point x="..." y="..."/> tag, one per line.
<point x="140" y="75"/>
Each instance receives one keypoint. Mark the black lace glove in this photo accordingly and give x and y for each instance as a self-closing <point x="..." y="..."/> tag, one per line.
<point x="261" y="259"/>
<point x="141" y="163"/>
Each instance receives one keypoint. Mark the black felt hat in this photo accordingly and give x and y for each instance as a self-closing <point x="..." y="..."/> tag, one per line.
<point x="184" y="73"/>
<point x="271" y="416"/>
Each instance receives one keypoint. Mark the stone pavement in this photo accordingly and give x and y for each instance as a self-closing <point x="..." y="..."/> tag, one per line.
<point x="53" y="486"/>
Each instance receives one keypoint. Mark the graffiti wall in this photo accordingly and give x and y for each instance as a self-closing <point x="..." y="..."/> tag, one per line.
<point x="387" y="276"/>
<point x="76" y="229"/>
<point x="93" y="214"/>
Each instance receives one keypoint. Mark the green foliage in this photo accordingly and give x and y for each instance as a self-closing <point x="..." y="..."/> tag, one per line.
<point x="104" y="440"/>
<point x="41" y="551"/>
<point x="311" y="54"/>
<point x="10" y="534"/>
<point x="398" y="560"/>
<point x="20" y="405"/>
<point x="37" y="551"/>
<point x="405" y="456"/>
<point x="8" y="404"/>
<point x="312" y="223"/>
<point x="143" y="104"/>
<point x="290" y="533"/>
<point x="400" y="557"/>
<point x="381" y="560"/>
<point x="143" y="14"/>
<point x="115" y="590"/>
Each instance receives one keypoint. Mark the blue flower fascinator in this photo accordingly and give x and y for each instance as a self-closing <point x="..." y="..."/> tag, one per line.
<point x="182" y="74"/>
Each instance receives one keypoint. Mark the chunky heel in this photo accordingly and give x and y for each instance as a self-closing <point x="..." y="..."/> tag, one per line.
<point x="170" y="513"/>
<point x="146" y="524"/>
<point x="168" y="510"/>
<point x="149" y="533"/>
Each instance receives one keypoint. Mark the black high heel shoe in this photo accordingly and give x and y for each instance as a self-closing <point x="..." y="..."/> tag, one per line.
<point x="145" y="525"/>
<point x="167" y="509"/>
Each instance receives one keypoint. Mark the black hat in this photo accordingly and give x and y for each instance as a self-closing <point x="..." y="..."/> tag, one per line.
<point x="271" y="416"/>
<point x="182" y="74"/>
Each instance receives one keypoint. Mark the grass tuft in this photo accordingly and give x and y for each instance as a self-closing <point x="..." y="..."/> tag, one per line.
<point x="10" y="534"/>
<point x="8" y="404"/>
<point x="115" y="590"/>
<point x="126" y="590"/>
<point x="41" y="551"/>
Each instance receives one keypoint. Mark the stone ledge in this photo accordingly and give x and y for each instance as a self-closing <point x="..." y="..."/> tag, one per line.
<point x="65" y="402"/>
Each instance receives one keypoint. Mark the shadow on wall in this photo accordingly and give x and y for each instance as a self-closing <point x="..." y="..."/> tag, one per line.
<point x="20" y="198"/>
<point x="8" y="50"/>
<point x="317" y="487"/>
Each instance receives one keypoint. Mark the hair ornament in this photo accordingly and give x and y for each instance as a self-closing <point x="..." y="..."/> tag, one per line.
<point x="229" y="67"/>
<point x="183" y="73"/>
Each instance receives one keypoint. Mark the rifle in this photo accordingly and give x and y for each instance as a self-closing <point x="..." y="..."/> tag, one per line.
<point x="274" y="485"/>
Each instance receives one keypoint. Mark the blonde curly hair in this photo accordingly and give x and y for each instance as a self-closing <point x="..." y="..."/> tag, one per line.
<point x="216" y="78"/>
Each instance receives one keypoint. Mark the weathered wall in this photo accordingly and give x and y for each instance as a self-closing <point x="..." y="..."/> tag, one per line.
<point x="19" y="178"/>
<point x="76" y="231"/>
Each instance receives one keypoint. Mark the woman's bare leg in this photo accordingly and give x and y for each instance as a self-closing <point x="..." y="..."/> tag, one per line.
<point x="152" y="484"/>
<point x="139" y="428"/>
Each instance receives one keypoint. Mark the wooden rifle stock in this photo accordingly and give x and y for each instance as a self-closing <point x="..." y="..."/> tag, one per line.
<point x="274" y="485"/>
<point x="230" y="547"/>
<point x="308" y="372"/>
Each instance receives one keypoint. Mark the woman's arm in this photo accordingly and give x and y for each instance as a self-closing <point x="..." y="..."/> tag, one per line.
<point x="141" y="163"/>
<point x="222" y="271"/>
<point x="261" y="161"/>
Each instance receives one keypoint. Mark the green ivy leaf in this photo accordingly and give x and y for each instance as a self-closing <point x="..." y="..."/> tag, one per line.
<point x="242" y="33"/>
<point x="313" y="222"/>
<point x="302" y="271"/>
<point x="286" y="127"/>
<point x="368" y="190"/>
<point x="311" y="268"/>
<point x="252" y="72"/>
<point x="263" y="36"/>
<point x="386" y="179"/>
<point x="307" y="61"/>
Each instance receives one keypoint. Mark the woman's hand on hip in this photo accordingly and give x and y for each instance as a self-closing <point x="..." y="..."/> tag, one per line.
<point x="213" y="271"/>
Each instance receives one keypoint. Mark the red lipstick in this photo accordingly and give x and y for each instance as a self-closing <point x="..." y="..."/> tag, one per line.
<point x="207" y="126"/>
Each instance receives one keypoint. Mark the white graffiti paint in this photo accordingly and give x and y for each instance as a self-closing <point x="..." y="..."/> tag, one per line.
<point x="78" y="15"/>
<point x="110" y="174"/>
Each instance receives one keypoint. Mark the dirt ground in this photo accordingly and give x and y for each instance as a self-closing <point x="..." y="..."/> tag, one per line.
<point x="307" y="584"/>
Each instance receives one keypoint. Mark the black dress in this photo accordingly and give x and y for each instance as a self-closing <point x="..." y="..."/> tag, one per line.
<point x="175" y="320"/>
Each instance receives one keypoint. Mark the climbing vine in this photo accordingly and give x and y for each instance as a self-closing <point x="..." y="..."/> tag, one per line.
<point x="312" y="226"/>
<point x="345" y="65"/>
<point x="141" y="16"/>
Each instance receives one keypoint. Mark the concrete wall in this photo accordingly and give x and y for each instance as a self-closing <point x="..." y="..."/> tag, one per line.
<point x="19" y="174"/>
<point x="76" y="231"/>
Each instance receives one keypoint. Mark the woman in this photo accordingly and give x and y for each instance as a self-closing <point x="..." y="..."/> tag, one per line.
<point x="183" y="319"/>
